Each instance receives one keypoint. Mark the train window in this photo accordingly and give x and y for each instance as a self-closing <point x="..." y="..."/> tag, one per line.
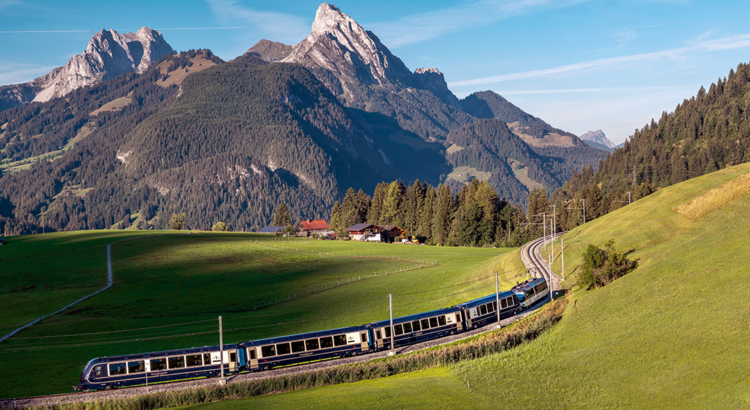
<point x="193" y="360"/>
<point x="206" y="359"/>
<point x="387" y="331"/>
<point x="433" y="322"/>
<point x="117" y="368"/>
<point x="363" y="338"/>
<point x="483" y="310"/>
<point x="326" y="342"/>
<point x="268" y="351"/>
<point x="458" y="318"/>
<point x="415" y="326"/>
<point x="377" y="334"/>
<point x="339" y="340"/>
<point x="283" y="348"/>
<point x="158" y="364"/>
<point x="504" y="303"/>
<point x="252" y="354"/>
<point x="176" y="362"/>
<point x="232" y="357"/>
<point x="441" y="320"/>
<point x="425" y="324"/>
<point x="407" y="327"/>
<point x="312" y="344"/>
<point x="137" y="367"/>
<point x="96" y="372"/>
<point x="494" y="306"/>
<point x="298" y="346"/>
<point x="398" y="329"/>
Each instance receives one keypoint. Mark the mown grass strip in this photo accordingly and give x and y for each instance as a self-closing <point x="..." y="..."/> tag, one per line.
<point x="479" y="346"/>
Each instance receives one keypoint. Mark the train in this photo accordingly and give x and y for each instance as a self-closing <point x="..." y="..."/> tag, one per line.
<point x="105" y="373"/>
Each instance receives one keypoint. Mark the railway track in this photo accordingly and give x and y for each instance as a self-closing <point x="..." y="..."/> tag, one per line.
<point x="529" y="255"/>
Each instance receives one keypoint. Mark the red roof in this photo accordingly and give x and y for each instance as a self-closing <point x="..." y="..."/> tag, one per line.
<point x="312" y="224"/>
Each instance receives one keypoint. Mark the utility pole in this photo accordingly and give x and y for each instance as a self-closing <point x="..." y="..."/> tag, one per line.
<point x="393" y="334"/>
<point x="551" y="252"/>
<point x="562" y="257"/>
<point x="584" y="211"/>
<point x="221" y="352"/>
<point x="497" y="300"/>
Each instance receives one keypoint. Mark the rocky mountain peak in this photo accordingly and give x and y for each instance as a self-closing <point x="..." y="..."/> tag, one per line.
<point x="270" y="50"/>
<point x="599" y="138"/>
<point x="107" y="55"/>
<point x="340" y="45"/>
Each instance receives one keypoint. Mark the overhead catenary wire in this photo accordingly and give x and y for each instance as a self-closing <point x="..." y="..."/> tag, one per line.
<point x="116" y="331"/>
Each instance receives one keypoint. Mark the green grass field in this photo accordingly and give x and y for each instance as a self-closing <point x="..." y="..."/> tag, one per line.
<point x="671" y="334"/>
<point x="179" y="278"/>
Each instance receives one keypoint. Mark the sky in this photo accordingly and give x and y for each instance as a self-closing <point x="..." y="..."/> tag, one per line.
<point x="580" y="65"/>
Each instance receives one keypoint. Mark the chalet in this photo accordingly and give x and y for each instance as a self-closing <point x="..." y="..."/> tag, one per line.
<point x="392" y="232"/>
<point x="375" y="233"/>
<point x="364" y="232"/>
<point x="276" y="230"/>
<point x="312" y="226"/>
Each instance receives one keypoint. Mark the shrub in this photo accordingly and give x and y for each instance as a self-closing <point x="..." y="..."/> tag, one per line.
<point x="603" y="266"/>
<point x="220" y="227"/>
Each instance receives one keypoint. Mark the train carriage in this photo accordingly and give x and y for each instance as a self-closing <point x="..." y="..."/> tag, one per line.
<point x="482" y="311"/>
<point x="416" y="328"/>
<point x="157" y="367"/>
<point x="307" y="347"/>
<point x="531" y="291"/>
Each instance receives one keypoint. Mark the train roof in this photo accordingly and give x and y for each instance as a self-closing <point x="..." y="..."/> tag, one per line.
<point x="486" y="299"/>
<point x="164" y="353"/>
<point x="530" y="283"/>
<point x="417" y="316"/>
<point x="302" y="336"/>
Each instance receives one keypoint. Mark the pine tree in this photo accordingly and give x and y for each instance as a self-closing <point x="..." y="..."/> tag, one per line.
<point x="426" y="213"/>
<point x="376" y="205"/>
<point x="392" y="205"/>
<point x="282" y="217"/>
<point x="443" y="215"/>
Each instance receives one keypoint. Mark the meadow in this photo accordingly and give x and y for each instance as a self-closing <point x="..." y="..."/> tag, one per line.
<point x="261" y="286"/>
<point x="671" y="334"/>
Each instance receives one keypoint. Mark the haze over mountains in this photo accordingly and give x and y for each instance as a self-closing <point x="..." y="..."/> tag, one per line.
<point x="230" y="140"/>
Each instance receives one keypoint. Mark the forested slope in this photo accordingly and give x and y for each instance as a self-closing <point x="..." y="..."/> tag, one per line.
<point x="708" y="132"/>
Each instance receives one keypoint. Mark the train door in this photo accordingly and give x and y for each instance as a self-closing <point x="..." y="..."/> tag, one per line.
<point x="379" y="338"/>
<point x="364" y="344"/>
<point x="230" y="357"/>
<point x="252" y="359"/>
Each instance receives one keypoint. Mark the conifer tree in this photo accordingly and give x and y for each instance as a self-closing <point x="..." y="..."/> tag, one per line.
<point x="282" y="217"/>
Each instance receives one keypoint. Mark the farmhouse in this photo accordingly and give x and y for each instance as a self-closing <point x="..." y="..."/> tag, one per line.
<point x="375" y="233"/>
<point x="312" y="226"/>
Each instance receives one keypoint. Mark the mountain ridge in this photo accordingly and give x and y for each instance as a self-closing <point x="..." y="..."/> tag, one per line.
<point x="107" y="55"/>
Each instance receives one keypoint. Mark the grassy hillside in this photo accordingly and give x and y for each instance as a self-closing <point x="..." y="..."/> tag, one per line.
<point x="192" y="279"/>
<point x="671" y="334"/>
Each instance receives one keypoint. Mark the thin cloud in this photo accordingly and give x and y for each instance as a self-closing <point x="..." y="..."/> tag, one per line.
<point x="7" y="3"/>
<point x="590" y="90"/>
<point x="203" y="28"/>
<point x="45" y="31"/>
<point x="681" y="53"/>
<point x="424" y="26"/>
<point x="280" y="25"/>
<point x="21" y="73"/>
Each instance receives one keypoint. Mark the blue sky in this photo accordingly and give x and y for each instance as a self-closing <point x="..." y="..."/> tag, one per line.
<point x="578" y="64"/>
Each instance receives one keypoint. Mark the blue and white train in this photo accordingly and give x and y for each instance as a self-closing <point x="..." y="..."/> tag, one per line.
<point x="265" y="354"/>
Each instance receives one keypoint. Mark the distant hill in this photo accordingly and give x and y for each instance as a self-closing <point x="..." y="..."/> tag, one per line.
<point x="107" y="55"/>
<point x="598" y="140"/>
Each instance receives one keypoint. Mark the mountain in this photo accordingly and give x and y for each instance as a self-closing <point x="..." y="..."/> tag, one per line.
<point x="107" y="55"/>
<point x="270" y="51"/>
<point x="598" y="140"/>
<point x="229" y="141"/>
<point x="361" y="71"/>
